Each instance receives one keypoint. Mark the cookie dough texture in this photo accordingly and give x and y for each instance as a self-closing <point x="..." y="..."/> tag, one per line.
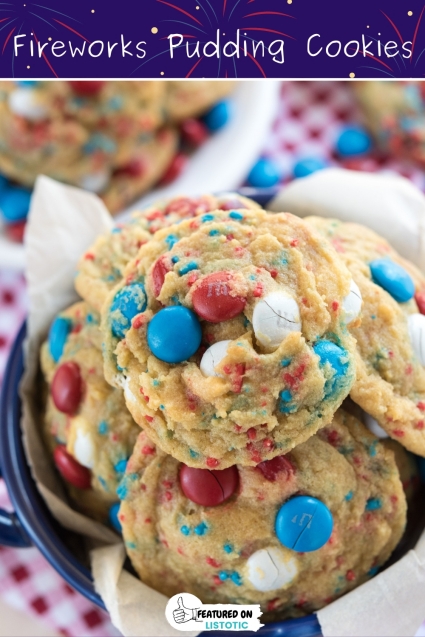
<point x="117" y="142"/>
<point x="264" y="401"/>
<point x="176" y="545"/>
<point x="394" y="113"/>
<point x="390" y="379"/>
<point x="103" y="265"/>
<point x="102" y="420"/>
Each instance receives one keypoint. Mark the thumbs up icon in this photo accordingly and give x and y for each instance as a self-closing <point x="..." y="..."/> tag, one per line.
<point x="183" y="614"/>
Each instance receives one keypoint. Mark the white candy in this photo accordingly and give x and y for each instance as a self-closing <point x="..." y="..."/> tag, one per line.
<point x="23" y="102"/>
<point x="213" y="357"/>
<point x="274" y="318"/>
<point x="352" y="303"/>
<point x="95" y="182"/>
<point x="270" y="569"/>
<point x="373" y="426"/>
<point x="416" y="326"/>
<point x="84" y="449"/>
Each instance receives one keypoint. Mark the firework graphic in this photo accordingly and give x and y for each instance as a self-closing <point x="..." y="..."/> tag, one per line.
<point x="252" y="29"/>
<point x="28" y="18"/>
<point x="400" y="65"/>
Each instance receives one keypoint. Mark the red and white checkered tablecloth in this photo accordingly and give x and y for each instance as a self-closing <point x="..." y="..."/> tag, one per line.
<point x="310" y="115"/>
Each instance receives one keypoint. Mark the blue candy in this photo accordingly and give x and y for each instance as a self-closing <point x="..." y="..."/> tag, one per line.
<point x="337" y="358"/>
<point x="14" y="204"/>
<point x="393" y="278"/>
<point x="264" y="174"/>
<point x="308" y="166"/>
<point x="353" y="141"/>
<point x="218" y="116"/>
<point x="129" y="302"/>
<point x="303" y="524"/>
<point x="113" y="517"/>
<point x="3" y="183"/>
<point x="58" y="335"/>
<point x="174" y="334"/>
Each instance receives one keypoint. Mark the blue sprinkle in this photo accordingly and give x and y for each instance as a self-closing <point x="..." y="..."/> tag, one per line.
<point x="228" y="548"/>
<point x="162" y="407"/>
<point x="155" y="382"/>
<point x="205" y="218"/>
<point x="287" y="409"/>
<point x="102" y="482"/>
<point x="214" y="233"/>
<point x="131" y="545"/>
<point x="175" y="259"/>
<point x="349" y="496"/>
<point x="185" y="530"/>
<point x="372" y="448"/>
<point x="285" y="362"/>
<point x="116" y="230"/>
<point x="373" y="571"/>
<point x="201" y="529"/>
<point x="235" y="215"/>
<point x="192" y="265"/>
<point x="193" y="454"/>
<point x="115" y="103"/>
<point x="223" y="576"/>
<point x="285" y="395"/>
<point x="99" y="142"/>
<point x="236" y="578"/>
<point x="373" y="504"/>
<point x="103" y="427"/>
<point x="121" y="465"/>
<point x="171" y="240"/>
<point x="122" y="490"/>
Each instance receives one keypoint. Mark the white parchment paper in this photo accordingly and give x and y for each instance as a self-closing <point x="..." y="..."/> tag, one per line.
<point x="63" y="223"/>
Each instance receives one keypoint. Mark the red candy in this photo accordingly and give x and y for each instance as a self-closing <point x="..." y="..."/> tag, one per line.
<point x="271" y="468"/>
<point x="87" y="89"/>
<point x="71" y="470"/>
<point x="194" y="132"/>
<point x="67" y="388"/>
<point x="212" y="300"/>
<point x="158" y="275"/>
<point x="134" y="168"/>
<point x="207" y="487"/>
<point x="174" y="169"/>
<point x="420" y="300"/>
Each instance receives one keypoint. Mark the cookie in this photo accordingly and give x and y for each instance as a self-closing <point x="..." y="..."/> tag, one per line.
<point x="390" y="377"/>
<point x="87" y="427"/>
<point x="291" y="534"/>
<point x="191" y="99"/>
<point x="102" y="266"/>
<point x="229" y="334"/>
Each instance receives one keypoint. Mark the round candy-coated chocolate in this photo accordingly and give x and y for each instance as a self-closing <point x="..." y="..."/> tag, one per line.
<point x="213" y="301"/>
<point x="209" y="487"/>
<point x="353" y="141"/>
<point x="127" y="303"/>
<point x="174" y="169"/>
<point x="337" y="357"/>
<point x="67" y="388"/>
<point x="193" y="131"/>
<point x="14" y="204"/>
<point x="218" y="116"/>
<point x="308" y="165"/>
<point x="3" y="183"/>
<point x="58" y="334"/>
<point x="159" y="271"/>
<point x="70" y="469"/>
<point x="113" y="517"/>
<point x="264" y="174"/>
<point x="393" y="278"/>
<point x="420" y="300"/>
<point x="303" y="524"/>
<point x="87" y="89"/>
<point x="174" y="334"/>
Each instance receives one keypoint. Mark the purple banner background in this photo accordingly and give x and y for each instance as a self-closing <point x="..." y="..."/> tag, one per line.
<point x="83" y="22"/>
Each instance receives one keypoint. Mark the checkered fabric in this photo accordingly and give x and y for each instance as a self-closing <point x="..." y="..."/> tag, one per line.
<point x="310" y="116"/>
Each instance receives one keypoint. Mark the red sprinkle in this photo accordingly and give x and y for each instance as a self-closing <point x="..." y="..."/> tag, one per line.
<point x="350" y="576"/>
<point x="89" y="256"/>
<point x="258" y="290"/>
<point x="421" y="406"/>
<point x="212" y="562"/>
<point x="420" y="424"/>
<point x="149" y="418"/>
<point x="273" y="604"/>
<point x="273" y="273"/>
<point x="168" y="495"/>
<point x="148" y="451"/>
<point x="335" y="305"/>
<point x="138" y="321"/>
<point x="212" y="462"/>
<point x="294" y="243"/>
<point x="252" y="434"/>
<point x="398" y="432"/>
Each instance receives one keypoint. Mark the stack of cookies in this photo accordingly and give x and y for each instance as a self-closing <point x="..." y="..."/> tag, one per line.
<point x="113" y="138"/>
<point x="236" y="393"/>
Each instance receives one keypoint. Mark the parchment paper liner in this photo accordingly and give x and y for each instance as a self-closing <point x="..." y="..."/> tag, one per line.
<point x="63" y="223"/>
